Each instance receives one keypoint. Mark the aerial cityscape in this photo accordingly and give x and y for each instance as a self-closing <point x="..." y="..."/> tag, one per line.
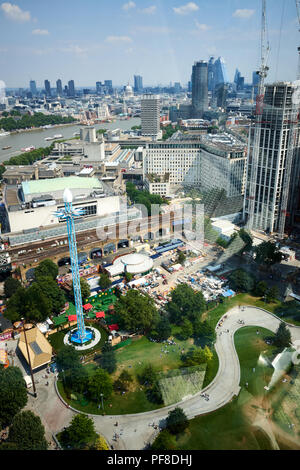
<point x="150" y="227"/>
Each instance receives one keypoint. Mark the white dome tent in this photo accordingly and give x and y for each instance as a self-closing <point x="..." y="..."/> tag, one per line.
<point x="134" y="263"/>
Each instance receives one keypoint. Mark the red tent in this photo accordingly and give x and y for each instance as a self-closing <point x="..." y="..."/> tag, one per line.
<point x="113" y="327"/>
<point x="72" y="317"/>
<point x="87" y="307"/>
<point x="100" y="314"/>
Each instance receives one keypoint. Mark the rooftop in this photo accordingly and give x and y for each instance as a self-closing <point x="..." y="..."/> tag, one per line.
<point x="59" y="184"/>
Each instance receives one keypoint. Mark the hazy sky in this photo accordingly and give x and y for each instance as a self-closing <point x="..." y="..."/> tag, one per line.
<point x="91" y="40"/>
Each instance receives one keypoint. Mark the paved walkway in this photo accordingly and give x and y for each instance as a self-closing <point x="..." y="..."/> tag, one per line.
<point x="136" y="430"/>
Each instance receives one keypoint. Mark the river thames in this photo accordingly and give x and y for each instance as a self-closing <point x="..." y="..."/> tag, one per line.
<point x="37" y="137"/>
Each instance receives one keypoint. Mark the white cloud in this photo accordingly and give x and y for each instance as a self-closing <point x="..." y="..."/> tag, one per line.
<point x="74" y="49"/>
<point x="128" y="6"/>
<point x="186" y="9"/>
<point x="202" y="26"/>
<point x="13" y="12"/>
<point x="40" y="32"/>
<point x="113" y="39"/>
<point x="243" y="13"/>
<point x="150" y="10"/>
<point x="153" y="29"/>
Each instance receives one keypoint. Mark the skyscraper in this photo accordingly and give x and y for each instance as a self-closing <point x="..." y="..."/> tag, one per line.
<point x="71" y="88"/>
<point x="150" y="116"/>
<point x="138" y="84"/>
<point x="98" y="88"/>
<point x="219" y="72"/>
<point x="32" y="86"/>
<point x="210" y="74"/>
<point x="47" y="88"/>
<point x="59" y="89"/>
<point x="273" y="177"/>
<point x="109" y="86"/>
<point x="199" y="88"/>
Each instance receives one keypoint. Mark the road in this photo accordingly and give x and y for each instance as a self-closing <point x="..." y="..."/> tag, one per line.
<point x="136" y="431"/>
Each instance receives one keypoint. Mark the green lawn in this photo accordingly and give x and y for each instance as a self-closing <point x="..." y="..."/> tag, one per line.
<point x="229" y="428"/>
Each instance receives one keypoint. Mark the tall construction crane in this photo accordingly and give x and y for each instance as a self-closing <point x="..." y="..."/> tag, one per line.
<point x="293" y="133"/>
<point x="262" y="73"/>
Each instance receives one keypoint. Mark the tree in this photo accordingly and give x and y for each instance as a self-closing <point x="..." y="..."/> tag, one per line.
<point x="242" y="281"/>
<point x="85" y="290"/>
<point x="104" y="281"/>
<point x="52" y="291"/>
<point x="148" y="376"/>
<point x="122" y="383"/>
<point x="11" y="285"/>
<point x="185" y="303"/>
<point x="204" y="331"/>
<point x="197" y="356"/>
<point x="67" y="358"/>
<point x="186" y="329"/>
<point x="267" y="253"/>
<point x="108" y="361"/>
<point x="46" y="268"/>
<point x="13" y="394"/>
<point x="272" y="294"/>
<point x="31" y="303"/>
<point x="181" y="258"/>
<point x="100" y="383"/>
<point x="27" y="432"/>
<point x="260" y="289"/>
<point x="282" y="336"/>
<point x="80" y="432"/>
<point x="100" y="444"/>
<point x="164" y="441"/>
<point x="128" y="276"/>
<point x="162" y="330"/>
<point x="177" y="421"/>
<point x="137" y="312"/>
<point x="247" y="239"/>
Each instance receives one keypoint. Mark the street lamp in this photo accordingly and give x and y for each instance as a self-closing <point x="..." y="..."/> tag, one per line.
<point x="29" y="361"/>
<point x="101" y="395"/>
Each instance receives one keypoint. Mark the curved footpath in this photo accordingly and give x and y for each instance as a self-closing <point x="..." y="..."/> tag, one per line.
<point x="136" y="430"/>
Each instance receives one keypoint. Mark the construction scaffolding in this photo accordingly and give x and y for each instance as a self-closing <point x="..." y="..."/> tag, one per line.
<point x="250" y="194"/>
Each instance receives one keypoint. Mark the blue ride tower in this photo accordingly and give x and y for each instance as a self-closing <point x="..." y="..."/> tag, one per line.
<point x="81" y="335"/>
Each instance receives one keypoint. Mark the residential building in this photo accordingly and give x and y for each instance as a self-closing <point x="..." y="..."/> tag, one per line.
<point x="150" y="116"/>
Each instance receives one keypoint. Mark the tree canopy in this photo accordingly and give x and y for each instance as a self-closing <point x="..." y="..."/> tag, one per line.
<point x="104" y="281"/>
<point x="267" y="253"/>
<point x="185" y="303"/>
<point x="53" y="292"/>
<point x="137" y="312"/>
<point x="100" y="383"/>
<point x="27" y="432"/>
<point x="79" y="433"/>
<point x="242" y="281"/>
<point x="85" y="290"/>
<point x="282" y="336"/>
<point x="13" y="394"/>
<point x="177" y="421"/>
<point x="46" y="268"/>
<point x="31" y="303"/>
<point x="11" y="285"/>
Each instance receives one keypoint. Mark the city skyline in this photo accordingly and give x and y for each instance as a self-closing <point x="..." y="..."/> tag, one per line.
<point x="159" y="40"/>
